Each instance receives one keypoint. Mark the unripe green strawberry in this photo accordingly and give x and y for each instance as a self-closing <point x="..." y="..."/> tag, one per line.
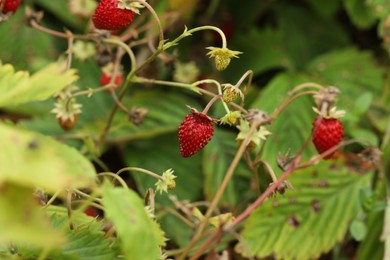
<point x="326" y="133"/>
<point x="195" y="132"/>
<point x="10" y="6"/>
<point x="108" y="16"/>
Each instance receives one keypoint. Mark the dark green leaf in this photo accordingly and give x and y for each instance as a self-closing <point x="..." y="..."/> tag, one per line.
<point x="361" y="13"/>
<point x="293" y="125"/>
<point x="217" y="156"/>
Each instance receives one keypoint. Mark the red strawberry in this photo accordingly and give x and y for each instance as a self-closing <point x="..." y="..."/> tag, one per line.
<point x="10" y="6"/>
<point x="195" y="132"/>
<point x="105" y="79"/>
<point x="108" y="16"/>
<point x="90" y="211"/>
<point x="326" y="133"/>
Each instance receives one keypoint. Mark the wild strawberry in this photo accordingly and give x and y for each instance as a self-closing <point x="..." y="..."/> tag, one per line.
<point x="90" y="211"/>
<point x="10" y="6"/>
<point x="108" y="16"/>
<point x="107" y="73"/>
<point x="67" y="123"/>
<point x="326" y="133"/>
<point x="195" y="132"/>
<point x="105" y="79"/>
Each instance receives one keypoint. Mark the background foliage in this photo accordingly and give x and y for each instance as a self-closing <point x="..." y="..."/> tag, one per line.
<point x="335" y="210"/>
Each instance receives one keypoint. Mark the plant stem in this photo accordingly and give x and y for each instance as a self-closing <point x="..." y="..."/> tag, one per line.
<point x="140" y="170"/>
<point x="221" y="189"/>
<point x="115" y="176"/>
<point x="211" y="102"/>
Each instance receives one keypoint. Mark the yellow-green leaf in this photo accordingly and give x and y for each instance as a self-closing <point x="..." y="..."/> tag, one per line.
<point x="19" y="87"/>
<point x="33" y="160"/>
<point x="139" y="234"/>
<point x="22" y="221"/>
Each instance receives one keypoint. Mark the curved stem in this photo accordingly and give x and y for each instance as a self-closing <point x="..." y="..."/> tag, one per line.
<point x="306" y="85"/>
<point x="126" y="48"/>
<point x="211" y="102"/>
<point x="119" y="179"/>
<point x="140" y="170"/>
<point x="39" y="27"/>
<point x="151" y="10"/>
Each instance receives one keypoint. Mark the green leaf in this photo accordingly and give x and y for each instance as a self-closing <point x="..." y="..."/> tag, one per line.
<point x="21" y="219"/>
<point x="217" y="156"/>
<point x="358" y="230"/>
<point x="164" y="116"/>
<point x="363" y="103"/>
<point x="140" y="236"/>
<point x="157" y="155"/>
<point x="308" y="220"/>
<point x="365" y="135"/>
<point x="293" y="125"/>
<point x="18" y="87"/>
<point x="350" y="70"/>
<point x="360" y="12"/>
<point x="262" y="50"/>
<point x="34" y="160"/>
<point x="372" y="246"/>
<point x="85" y="241"/>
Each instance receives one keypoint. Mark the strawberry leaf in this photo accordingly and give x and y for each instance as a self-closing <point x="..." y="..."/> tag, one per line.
<point x="25" y="161"/>
<point x="19" y="87"/>
<point x="165" y="150"/>
<point x="85" y="241"/>
<point x="292" y="127"/>
<point x="308" y="220"/>
<point x="21" y="219"/>
<point x="139" y="235"/>
<point x="217" y="156"/>
<point x="360" y="12"/>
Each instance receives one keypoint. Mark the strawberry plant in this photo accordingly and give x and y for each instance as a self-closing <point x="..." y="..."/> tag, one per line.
<point x="135" y="129"/>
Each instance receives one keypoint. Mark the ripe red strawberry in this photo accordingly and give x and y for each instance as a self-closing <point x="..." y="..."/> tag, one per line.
<point x="195" y="132"/>
<point x="105" y="79"/>
<point x="326" y="133"/>
<point x="10" y="6"/>
<point x="108" y="16"/>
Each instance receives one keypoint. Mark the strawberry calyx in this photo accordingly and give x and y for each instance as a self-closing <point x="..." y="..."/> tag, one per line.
<point x="130" y="5"/>
<point x="202" y="115"/>
<point x="331" y="113"/>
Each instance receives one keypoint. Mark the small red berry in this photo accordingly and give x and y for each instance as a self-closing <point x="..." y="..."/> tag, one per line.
<point x="10" y="6"/>
<point x="90" y="211"/>
<point x="67" y="124"/>
<point x="326" y="133"/>
<point x="195" y="132"/>
<point x="105" y="79"/>
<point x="108" y="16"/>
